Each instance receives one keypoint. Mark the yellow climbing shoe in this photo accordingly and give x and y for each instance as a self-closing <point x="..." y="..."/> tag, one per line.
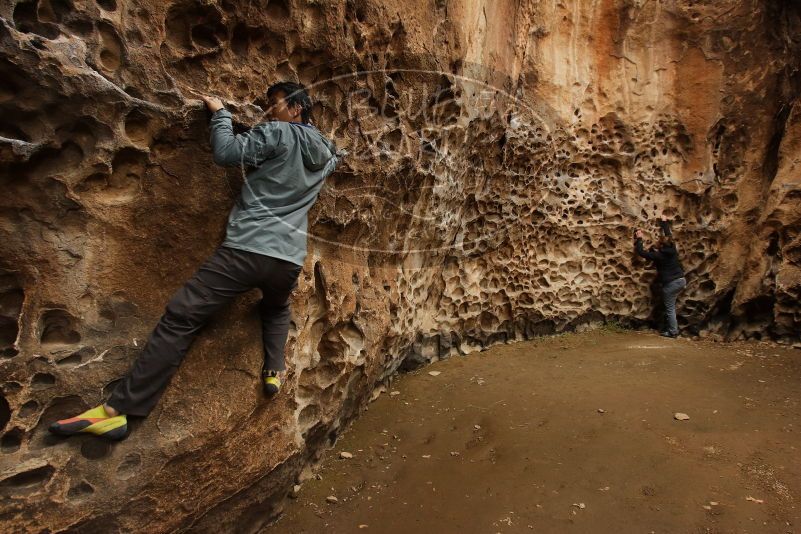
<point x="95" y="421"/>
<point x="271" y="382"/>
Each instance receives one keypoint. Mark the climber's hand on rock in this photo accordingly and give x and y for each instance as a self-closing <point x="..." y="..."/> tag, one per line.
<point x="212" y="102"/>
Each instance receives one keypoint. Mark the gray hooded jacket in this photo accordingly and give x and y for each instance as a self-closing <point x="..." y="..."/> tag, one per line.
<point x="287" y="164"/>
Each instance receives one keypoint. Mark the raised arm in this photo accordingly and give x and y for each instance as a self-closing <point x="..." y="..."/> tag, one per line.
<point x="646" y="253"/>
<point x="249" y="149"/>
<point x="641" y="250"/>
<point x="664" y="224"/>
<point x="669" y="248"/>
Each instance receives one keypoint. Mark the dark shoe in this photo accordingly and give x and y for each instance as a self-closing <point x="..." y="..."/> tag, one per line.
<point x="668" y="334"/>
<point x="270" y="381"/>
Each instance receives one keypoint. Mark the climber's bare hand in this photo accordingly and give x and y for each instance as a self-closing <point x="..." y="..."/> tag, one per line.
<point x="212" y="102"/>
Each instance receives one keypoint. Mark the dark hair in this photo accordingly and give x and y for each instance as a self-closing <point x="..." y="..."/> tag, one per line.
<point x="294" y="94"/>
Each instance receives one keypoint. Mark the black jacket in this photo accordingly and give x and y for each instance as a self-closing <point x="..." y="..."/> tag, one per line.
<point x="666" y="259"/>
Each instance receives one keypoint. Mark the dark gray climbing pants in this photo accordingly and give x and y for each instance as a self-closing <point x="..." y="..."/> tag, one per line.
<point x="227" y="273"/>
<point x="670" y="291"/>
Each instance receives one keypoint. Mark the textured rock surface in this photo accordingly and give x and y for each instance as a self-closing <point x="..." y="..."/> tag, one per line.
<point x="466" y="214"/>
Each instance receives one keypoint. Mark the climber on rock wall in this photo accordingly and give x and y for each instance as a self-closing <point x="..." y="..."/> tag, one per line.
<point x="669" y="271"/>
<point x="265" y="246"/>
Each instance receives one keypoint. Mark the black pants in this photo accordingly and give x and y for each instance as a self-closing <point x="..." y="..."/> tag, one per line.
<point x="226" y="274"/>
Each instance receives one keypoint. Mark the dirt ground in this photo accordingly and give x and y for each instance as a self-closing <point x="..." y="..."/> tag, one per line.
<point x="572" y="433"/>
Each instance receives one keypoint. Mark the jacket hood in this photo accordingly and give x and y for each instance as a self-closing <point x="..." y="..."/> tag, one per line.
<point x="315" y="149"/>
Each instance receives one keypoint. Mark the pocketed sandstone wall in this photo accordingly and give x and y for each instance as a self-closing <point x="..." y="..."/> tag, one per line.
<point x="500" y="154"/>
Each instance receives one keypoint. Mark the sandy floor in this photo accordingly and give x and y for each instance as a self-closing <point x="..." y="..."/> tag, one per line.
<point x="573" y="433"/>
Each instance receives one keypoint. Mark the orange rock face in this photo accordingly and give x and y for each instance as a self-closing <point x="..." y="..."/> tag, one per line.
<point x="500" y="155"/>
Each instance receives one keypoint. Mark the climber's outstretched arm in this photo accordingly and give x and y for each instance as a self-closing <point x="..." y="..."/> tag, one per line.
<point x="249" y="149"/>
<point x="651" y="255"/>
<point x="664" y="224"/>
